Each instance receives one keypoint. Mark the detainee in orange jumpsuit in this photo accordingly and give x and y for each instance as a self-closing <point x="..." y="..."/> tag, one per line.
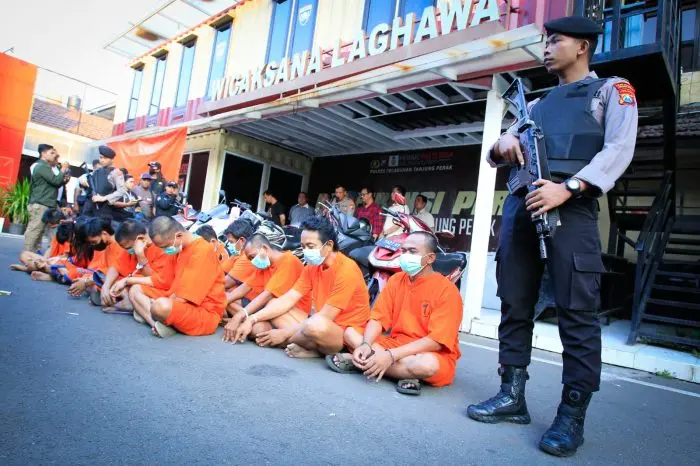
<point x="423" y="309"/>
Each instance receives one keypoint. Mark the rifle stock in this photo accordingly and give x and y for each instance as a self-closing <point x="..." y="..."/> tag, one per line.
<point x="536" y="166"/>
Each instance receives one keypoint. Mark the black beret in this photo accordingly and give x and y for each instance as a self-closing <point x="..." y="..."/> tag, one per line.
<point x="106" y="151"/>
<point x="574" y="26"/>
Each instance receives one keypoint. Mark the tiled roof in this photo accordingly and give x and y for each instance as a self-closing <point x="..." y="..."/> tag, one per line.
<point x="70" y="120"/>
<point x="687" y="124"/>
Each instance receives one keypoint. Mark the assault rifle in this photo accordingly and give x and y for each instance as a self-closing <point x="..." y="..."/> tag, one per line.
<point x="536" y="167"/>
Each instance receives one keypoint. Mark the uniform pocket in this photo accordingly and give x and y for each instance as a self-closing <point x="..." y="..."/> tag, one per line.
<point x="584" y="294"/>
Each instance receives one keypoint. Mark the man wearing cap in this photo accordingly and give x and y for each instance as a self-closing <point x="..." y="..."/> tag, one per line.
<point x="166" y="202"/>
<point x="143" y="191"/>
<point x="590" y="127"/>
<point x="108" y="186"/>
<point x="157" y="182"/>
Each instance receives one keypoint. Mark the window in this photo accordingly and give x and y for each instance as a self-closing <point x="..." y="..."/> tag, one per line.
<point x="277" y="42"/>
<point x="304" y="23"/>
<point x="688" y="24"/>
<point x="135" y="91"/>
<point x="414" y="6"/>
<point x="377" y="12"/>
<point x="219" y="55"/>
<point x="183" y="83"/>
<point x="161" y="61"/>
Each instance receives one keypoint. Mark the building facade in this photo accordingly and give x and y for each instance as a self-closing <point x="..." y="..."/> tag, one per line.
<point x="306" y="94"/>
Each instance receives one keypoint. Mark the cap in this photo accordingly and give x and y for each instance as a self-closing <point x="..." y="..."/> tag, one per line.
<point x="154" y="164"/>
<point x="146" y="176"/>
<point x="171" y="184"/>
<point x="574" y="26"/>
<point x="106" y="151"/>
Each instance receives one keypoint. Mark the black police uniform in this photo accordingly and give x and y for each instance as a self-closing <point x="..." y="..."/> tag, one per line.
<point x="100" y="184"/>
<point x="165" y="205"/>
<point x="572" y="137"/>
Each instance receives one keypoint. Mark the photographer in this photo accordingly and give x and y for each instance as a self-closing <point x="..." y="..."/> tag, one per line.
<point x="167" y="202"/>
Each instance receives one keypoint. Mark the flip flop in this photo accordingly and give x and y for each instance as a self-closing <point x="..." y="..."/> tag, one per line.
<point x="96" y="298"/>
<point x="114" y="310"/>
<point x="342" y="366"/>
<point x="401" y="386"/>
<point x="138" y="318"/>
<point x="164" y="331"/>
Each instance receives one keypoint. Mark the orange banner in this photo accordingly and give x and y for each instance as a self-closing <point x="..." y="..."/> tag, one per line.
<point x="166" y="148"/>
<point x="17" y="80"/>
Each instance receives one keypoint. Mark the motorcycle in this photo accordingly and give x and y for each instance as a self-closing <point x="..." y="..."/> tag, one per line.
<point x="353" y="233"/>
<point x="382" y="259"/>
<point x="283" y="238"/>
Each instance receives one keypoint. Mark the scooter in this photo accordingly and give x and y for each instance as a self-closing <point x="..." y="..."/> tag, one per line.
<point x="352" y="232"/>
<point x="383" y="259"/>
<point x="218" y="217"/>
<point x="277" y="235"/>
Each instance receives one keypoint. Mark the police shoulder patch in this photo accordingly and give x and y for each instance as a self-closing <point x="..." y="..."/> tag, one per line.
<point x="626" y="92"/>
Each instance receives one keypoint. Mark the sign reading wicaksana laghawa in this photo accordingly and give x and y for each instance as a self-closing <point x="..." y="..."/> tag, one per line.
<point x="382" y="38"/>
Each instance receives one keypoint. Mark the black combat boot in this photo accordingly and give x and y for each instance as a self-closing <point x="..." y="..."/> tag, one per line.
<point x="566" y="433"/>
<point x="509" y="404"/>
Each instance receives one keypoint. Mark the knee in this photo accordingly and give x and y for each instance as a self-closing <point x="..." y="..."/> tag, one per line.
<point x="315" y="327"/>
<point x="423" y="366"/>
<point x="24" y="256"/>
<point x="258" y="329"/>
<point x="134" y="291"/>
<point x="161" y="307"/>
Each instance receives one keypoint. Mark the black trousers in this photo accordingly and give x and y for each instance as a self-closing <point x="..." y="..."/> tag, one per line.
<point x="574" y="265"/>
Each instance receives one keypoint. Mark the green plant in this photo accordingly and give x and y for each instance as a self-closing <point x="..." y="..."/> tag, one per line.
<point x="14" y="201"/>
<point x="664" y="374"/>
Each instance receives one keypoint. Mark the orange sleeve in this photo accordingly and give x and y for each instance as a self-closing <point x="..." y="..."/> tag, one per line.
<point x="382" y="311"/>
<point x="65" y="248"/>
<point x="162" y="267"/>
<point x="304" y="283"/>
<point x="343" y="289"/>
<point x="284" y="277"/>
<point x="228" y="264"/>
<point x="446" y="316"/>
<point x="98" y="262"/>
<point x="243" y="269"/>
<point x="117" y="257"/>
<point x="198" y="276"/>
<point x="55" y="248"/>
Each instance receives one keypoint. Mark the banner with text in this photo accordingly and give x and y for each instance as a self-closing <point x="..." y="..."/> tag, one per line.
<point x="447" y="177"/>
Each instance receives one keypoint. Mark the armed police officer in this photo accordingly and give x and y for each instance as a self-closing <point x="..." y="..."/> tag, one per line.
<point x="108" y="187"/>
<point x="590" y="128"/>
<point x="157" y="181"/>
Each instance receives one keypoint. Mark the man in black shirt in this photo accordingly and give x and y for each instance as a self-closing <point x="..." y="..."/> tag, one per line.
<point x="276" y="209"/>
<point x="166" y="202"/>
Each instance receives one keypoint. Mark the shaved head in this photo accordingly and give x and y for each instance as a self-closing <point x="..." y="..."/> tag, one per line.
<point x="164" y="229"/>
<point x="258" y="240"/>
<point x="425" y="242"/>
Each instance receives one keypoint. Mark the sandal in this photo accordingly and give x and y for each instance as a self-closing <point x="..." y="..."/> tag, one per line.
<point x="340" y="364"/>
<point x="116" y="310"/>
<point x="408" y="386"/>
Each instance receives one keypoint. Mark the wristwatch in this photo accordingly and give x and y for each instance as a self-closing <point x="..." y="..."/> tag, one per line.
<point x="574" y="186"/>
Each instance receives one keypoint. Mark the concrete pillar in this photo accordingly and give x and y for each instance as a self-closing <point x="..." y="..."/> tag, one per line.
<point x="483" y="207"/>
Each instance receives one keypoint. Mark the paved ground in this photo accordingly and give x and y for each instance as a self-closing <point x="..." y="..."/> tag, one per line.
<point x="81" y="387"/>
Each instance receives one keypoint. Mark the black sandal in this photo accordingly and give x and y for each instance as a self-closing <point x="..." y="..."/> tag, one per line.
<point x="340" y="364"/>
<point x="404" y="386"/>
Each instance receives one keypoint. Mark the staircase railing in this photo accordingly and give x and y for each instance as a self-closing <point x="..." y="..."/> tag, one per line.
<point x="650" y="249"/>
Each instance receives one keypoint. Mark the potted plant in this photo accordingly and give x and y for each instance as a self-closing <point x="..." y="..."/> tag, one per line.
<point x="14" y="201"/>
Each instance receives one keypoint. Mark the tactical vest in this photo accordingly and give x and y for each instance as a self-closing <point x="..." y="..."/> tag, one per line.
<point x="572" y="135"/>
<point x="100" y="181"/>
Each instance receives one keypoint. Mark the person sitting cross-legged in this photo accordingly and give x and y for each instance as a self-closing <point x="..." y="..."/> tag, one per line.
<point x="151" y="271"/>
<point x="423" y="309"/>
<point x="195" y="302"/>
<point x="338" y="290"/>
<point x="39" y="266"/>
<point x="283" y="270"/>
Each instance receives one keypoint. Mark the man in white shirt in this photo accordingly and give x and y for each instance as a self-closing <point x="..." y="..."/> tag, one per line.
<point x="420" y="211"/>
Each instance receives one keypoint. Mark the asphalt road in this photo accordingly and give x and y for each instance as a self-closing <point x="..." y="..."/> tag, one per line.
<point x="81" y="387"/>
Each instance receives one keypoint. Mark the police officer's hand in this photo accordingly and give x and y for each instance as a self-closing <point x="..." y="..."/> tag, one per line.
<point x="508" y="148"/>
<point x="549" y="195"/>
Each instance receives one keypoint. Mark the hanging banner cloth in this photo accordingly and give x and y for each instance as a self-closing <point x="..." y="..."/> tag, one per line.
<point x="166" y="148"/>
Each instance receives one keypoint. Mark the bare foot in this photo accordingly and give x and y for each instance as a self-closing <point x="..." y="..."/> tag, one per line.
<point x="41" y="276"/>
<point x="295" y="351"/>
<point x="18" y="267"/>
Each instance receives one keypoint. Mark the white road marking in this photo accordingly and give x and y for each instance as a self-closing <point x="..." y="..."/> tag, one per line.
<point x="605" y="375"/>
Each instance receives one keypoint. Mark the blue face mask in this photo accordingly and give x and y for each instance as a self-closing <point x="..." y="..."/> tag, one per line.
<point x="411" y="263"/>
<point x="172" y="250"/>
<point x="231" y="248"/>
<point x="313" y="256"/>
<point x="130" y="251"/>
<point x="261" y="262"/>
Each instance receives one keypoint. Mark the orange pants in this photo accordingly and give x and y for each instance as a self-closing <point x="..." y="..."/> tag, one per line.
<point x="192" y="320"/>
<point x="447" y="366"/>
